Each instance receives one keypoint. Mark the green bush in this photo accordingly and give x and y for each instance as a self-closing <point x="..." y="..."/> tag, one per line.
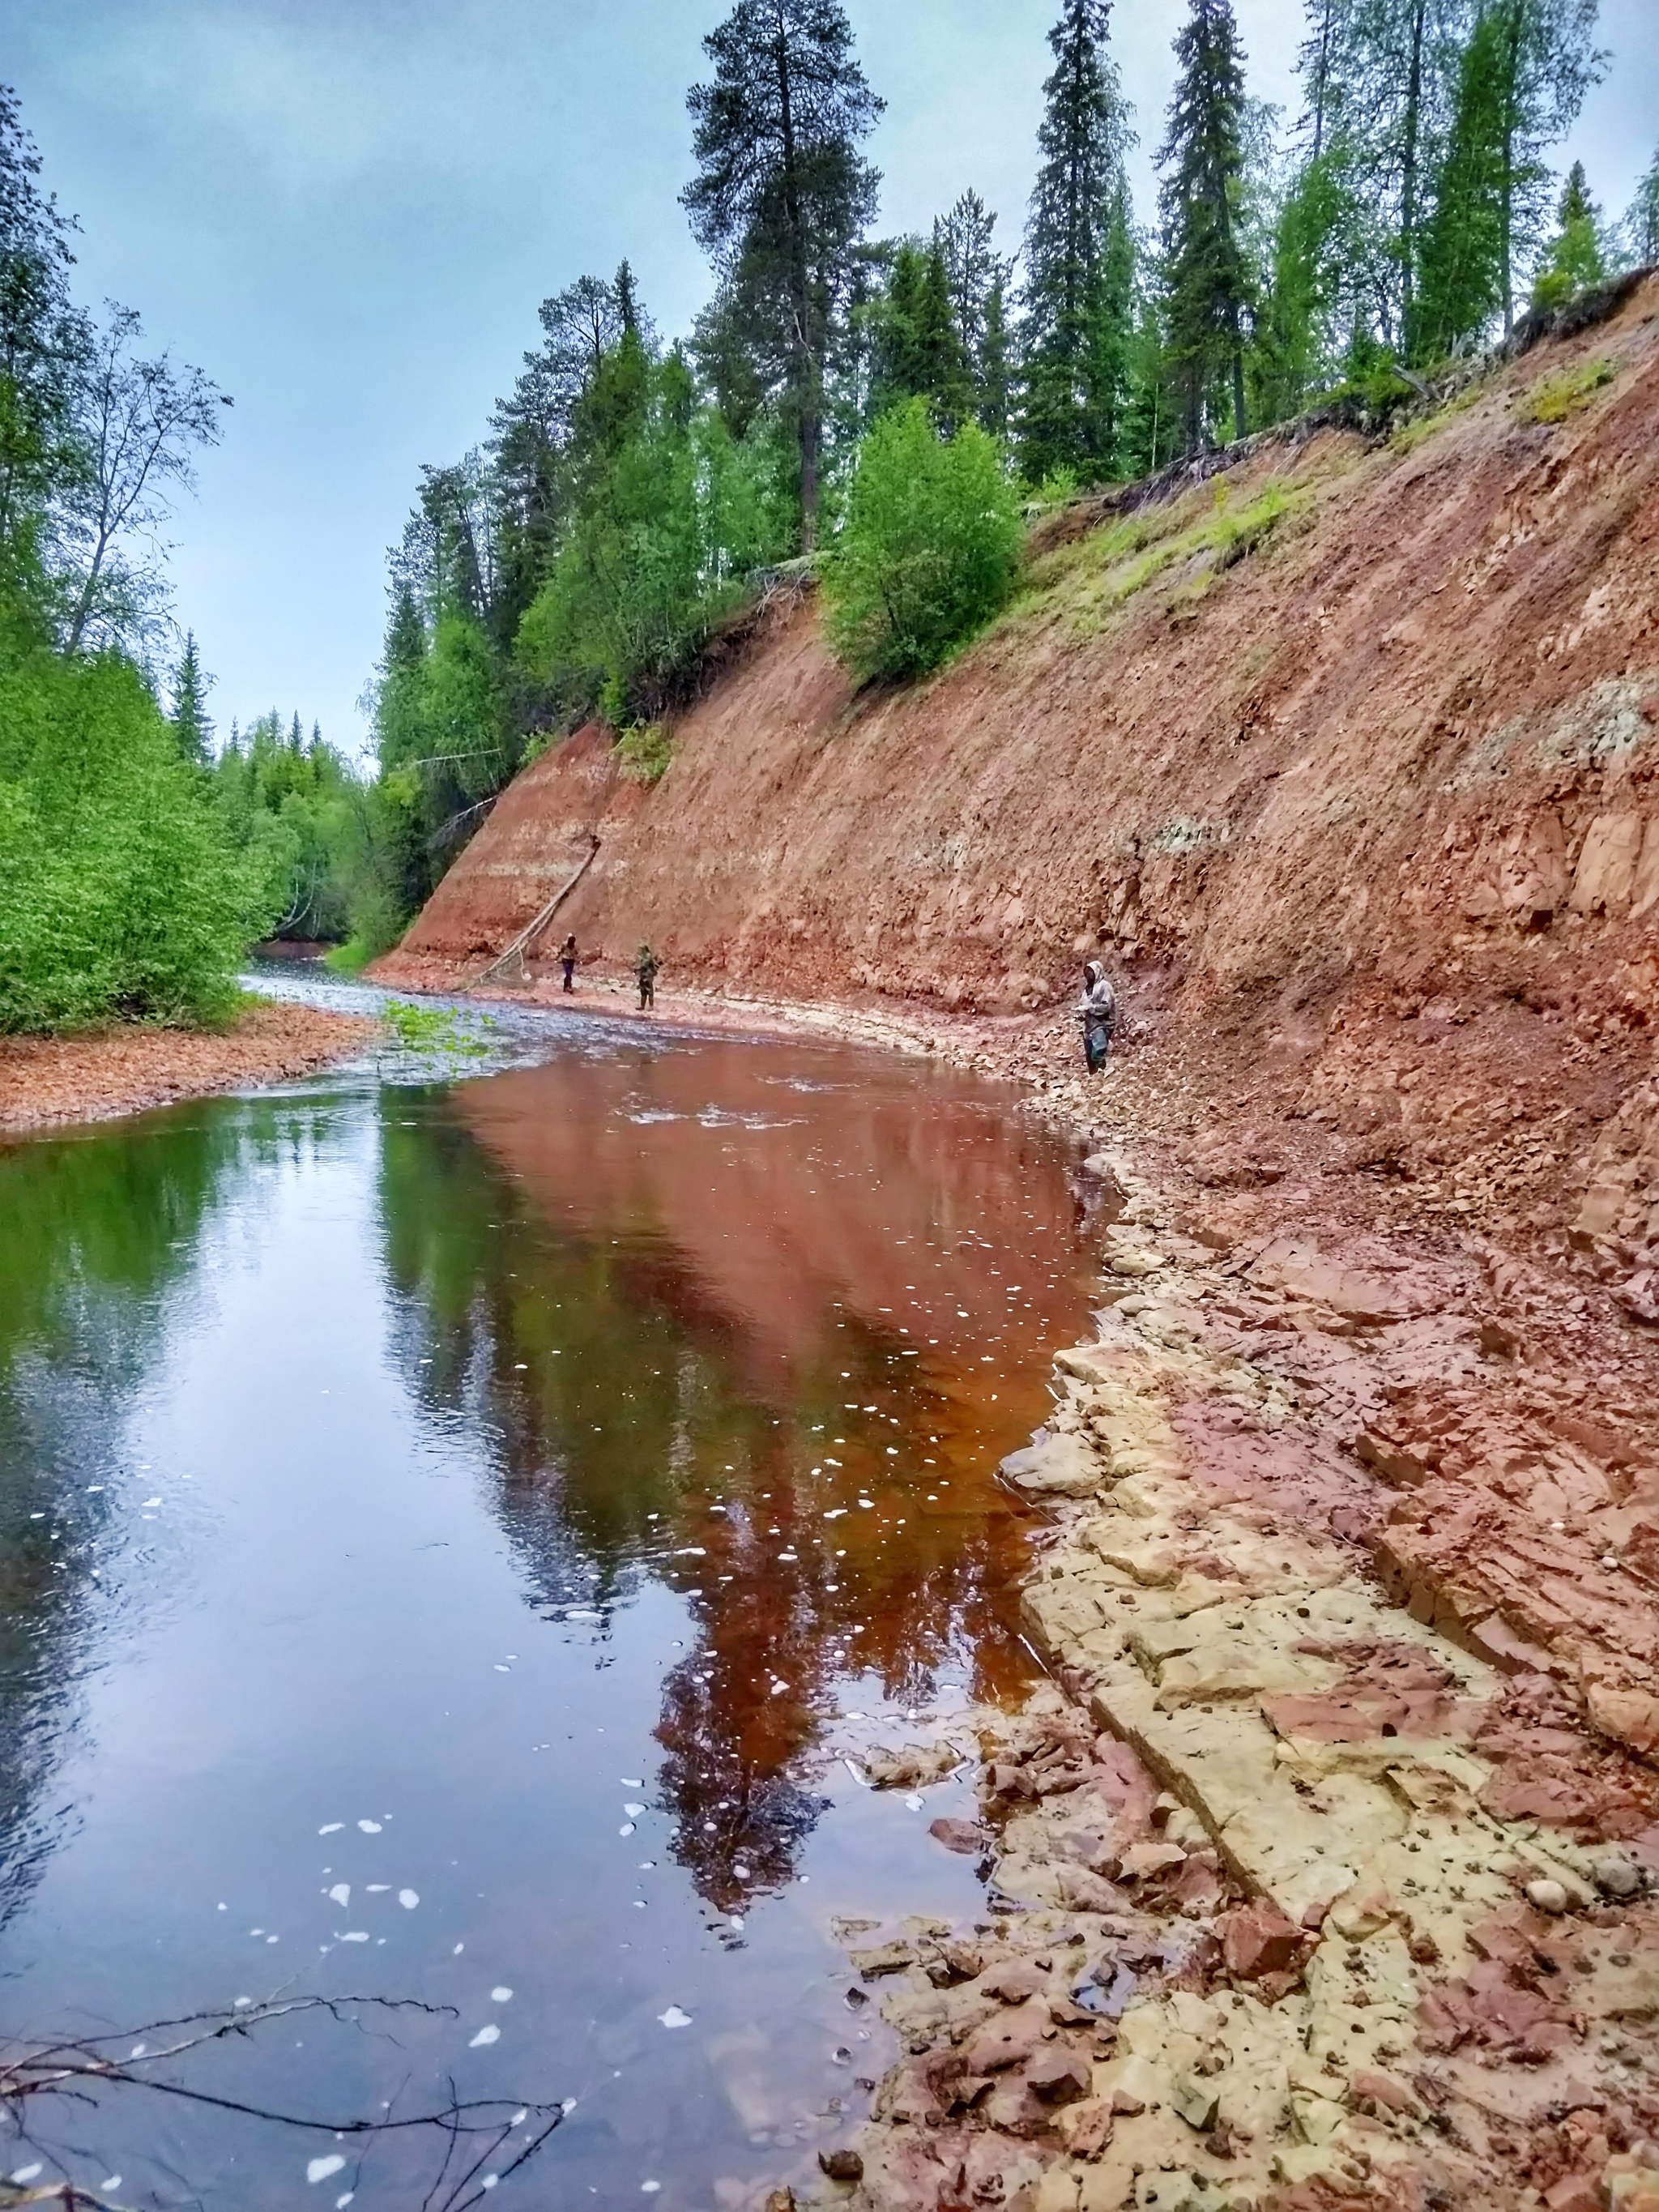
<point x="644" y="751"/>
<point x="119" y="892"/>
<point x="930" y="549"/>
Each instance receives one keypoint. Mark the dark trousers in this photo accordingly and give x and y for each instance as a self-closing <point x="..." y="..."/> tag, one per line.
<point x="1097" y="1044"/>
<point x="570" y="968"/>
<point x="647" y="991"/>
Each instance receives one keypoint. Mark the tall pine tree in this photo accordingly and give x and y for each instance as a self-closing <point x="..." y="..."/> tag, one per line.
<point x="782" y="193"/>
<point x="1076" y="325"/>
<point x="1207" y="283"/>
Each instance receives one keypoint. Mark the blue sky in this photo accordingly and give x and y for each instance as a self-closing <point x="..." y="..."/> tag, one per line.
<point x="347" y="211"/>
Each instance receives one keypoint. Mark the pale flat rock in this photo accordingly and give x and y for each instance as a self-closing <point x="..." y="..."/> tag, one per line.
<point x="1060" y="1614"/>
<point x="1250" y="1660"/>
<point x="1060" y="1466"/>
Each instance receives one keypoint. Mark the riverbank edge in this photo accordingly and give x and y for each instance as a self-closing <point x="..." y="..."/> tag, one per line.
<point x="48" y="1082"/>
<point x="1287" y="2045"/>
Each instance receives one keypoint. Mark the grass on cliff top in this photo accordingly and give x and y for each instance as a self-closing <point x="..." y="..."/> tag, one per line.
<point x="1563" y="393"/>
<point x="1091" y="579"/>
<point x="1411" y="435"/>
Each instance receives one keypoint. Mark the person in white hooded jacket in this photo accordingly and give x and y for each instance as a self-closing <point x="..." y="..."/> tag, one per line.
<point x="1097" y="1014"/>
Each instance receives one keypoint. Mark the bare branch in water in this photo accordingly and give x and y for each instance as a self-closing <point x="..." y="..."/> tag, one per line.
<point x="73" y="2069"/>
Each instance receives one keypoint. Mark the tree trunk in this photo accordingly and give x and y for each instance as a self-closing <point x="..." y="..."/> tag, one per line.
<point x="84" y="597"/>
<point x="1320" y="79"/>
<point x="809" y="424"/>
<point x="1506" y="188"/>
<point x="1408" y="182"/>
<point x="1238" y="389"/>
<point x="811" y="433"/>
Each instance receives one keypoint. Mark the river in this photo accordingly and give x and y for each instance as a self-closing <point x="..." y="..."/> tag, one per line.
<point x="459" y="1518"/>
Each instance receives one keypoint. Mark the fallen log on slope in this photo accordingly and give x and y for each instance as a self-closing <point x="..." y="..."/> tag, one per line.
<point x="518" y="949"/>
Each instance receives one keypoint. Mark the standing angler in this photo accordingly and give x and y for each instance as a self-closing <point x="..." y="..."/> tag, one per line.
<point x="645" y="967"/>
<point x="568" y="961"/>
<point x="1097" y="1013"/>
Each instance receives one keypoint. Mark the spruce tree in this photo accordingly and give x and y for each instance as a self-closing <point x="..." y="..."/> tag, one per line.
<point x="782" y="194"/>
<point x="916" y="349"/>
<point x="1075" y="327"/>
<point x="1208" y="287"/>
<point x="191" y="726"/>
<point x="974" y="270"/>
<point x="1639" y="232"/>
<point x="1461" y="271"/>
<point x="1153" y="415"/>
<point x="1111" y="334"/>
<point x="1573" y="259"/>
<point x="994" y="368"/>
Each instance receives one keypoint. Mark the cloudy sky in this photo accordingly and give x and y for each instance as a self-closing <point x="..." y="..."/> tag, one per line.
<point x="347" y="211"/>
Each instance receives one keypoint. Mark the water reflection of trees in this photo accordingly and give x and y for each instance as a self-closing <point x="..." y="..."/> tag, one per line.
<point x="97" y="1232"/>
<point x="638" y="1422"/>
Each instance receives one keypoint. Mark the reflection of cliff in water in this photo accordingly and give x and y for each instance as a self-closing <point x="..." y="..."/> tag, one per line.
<point x="97" y="1235"/>
<point x="657" y="1286"/>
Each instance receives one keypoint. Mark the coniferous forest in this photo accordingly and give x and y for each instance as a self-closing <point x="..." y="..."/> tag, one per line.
<point x="883" y="413"/>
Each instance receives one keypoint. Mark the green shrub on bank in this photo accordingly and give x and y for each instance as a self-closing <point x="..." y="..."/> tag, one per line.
<point x="930" y="550"/>
<point x="644" y="753"/>
<point x="119" y="893"/>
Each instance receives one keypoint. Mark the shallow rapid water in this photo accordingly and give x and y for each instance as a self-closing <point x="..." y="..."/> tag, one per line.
<point x="457" y="1518"/>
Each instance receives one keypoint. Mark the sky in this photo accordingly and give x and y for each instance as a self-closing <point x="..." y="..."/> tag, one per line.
<point x="346" y="211"/>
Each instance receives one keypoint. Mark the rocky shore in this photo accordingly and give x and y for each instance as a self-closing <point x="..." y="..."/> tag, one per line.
<point x="1323" y="1874"/>
<point x="47" y="1080"/>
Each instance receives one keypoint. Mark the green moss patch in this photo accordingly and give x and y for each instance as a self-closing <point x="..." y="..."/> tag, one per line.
<point x="1563" y="393"/>
<point x="1091" y="579"/>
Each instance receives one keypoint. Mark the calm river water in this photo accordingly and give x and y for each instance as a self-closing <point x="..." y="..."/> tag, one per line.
<point x="456" y="1518"/>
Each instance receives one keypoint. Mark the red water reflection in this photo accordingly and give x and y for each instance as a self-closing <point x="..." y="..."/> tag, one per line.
<point x="876" y="1259"/>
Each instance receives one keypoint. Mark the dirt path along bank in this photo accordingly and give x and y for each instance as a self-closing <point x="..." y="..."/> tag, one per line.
<point x="47" y="1080"/>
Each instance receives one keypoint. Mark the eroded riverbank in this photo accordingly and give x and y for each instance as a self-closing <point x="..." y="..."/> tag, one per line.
<point x="1320" y="1873"/>
<point x="49" y="1081"/>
